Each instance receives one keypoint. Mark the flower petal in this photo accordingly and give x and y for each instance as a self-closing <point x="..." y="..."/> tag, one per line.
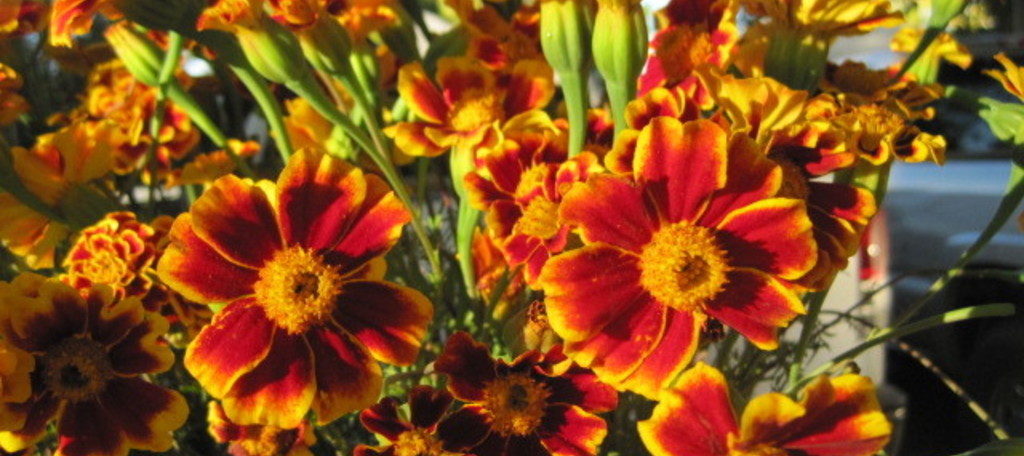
<point x="143" y="350"/>
<point x="529" y="86"/>
<point x="468" y="366"/>
<point x="147" y="414"/>
<point x="237" y="339"/>
<point x="427" y="405"/>
<point x="772" y="235"/>
<point x="694" y="418"/>
<point x="191" y="267"/>
<point x="236" y="218"/>
<point x="387" y="318"/>
<point x="756" y="305"/>
<point x="568" y="430"/>
<point x="579" y="386"/>
<point x="383" y="418"/>
<point x="608" y="209"/>
<point x="750" y="176"/>
<point x="39" y="411"/>
<point x="422" y="97"/>
<point x="681" y="165"/>
<point x="279" y="390"/>
<point x="589" y="287"/>
<point x="411" y="138"/>
<point x="347" y="377"/>
<point x="318" y="195"/>
<point x="86" y="429"/>
<point x="623" y="345"/>
<point x="43" y="314"/>
<point x="375" y="230"/>
<point x="464" y="428"/>
<point x="457" y="75"/>
<point x="851" y="423"/>
<point x="672" y="353"/>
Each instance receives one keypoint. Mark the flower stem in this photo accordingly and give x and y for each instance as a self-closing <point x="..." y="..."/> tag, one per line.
<point x="574" y="89"/>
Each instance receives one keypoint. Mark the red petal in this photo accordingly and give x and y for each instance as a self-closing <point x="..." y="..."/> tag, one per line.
<point x="235" y="218"/>
<point x="608" y="209"/>
<point x="756" y="305"/>
<point x="843" y="418"/>
<point x="681" y="165"/>
<point x="456" y="75"/>
<point x="570" y="431"/>
<point x="468" y="365"/>
<point x="670" y="356"/>
<point x="411" y="138"/>
<point x="529" y="86"/>
<point x="579" y="386"/>
<point x="694" y="418"/>
<point x="146" y="413"/>
<point x="464" y="428"/>
<point x="389" y="319"/>
<point x="383" y="418"/>
<point x="377" y="227"/>
<point x="772" y="235"/>
<point x="191" y="267"/>
<point x="427" y="405"/>
<point x="143" y="350"/>
<point x="347" y="378"/>
<point x="587" y="288"/>
<point x="85" y="429"/>
<point x="750" y="177"/>
<point x="318" y="195"/>
<point x="420" y="94"/>
<point x="53" y="313"/>
<point x="237" y="339"/>
<point x="280" y="390"/>
<point x="621" y="347"/>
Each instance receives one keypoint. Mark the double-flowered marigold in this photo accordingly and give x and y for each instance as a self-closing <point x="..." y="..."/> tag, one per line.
<point x="695" y="232"/>
<point x="89" y="352"/>
<point x="259" y="439"/>
<point x="539" y="404"/>
<point x="836" y="417"/>
<point x="300" y="267"/>
<point x="416" y="435"/>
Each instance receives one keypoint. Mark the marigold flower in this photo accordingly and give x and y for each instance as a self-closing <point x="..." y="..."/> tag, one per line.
<point x="21" y="17"/>
<point x="203" y="169"/>
<point x="826" y="18"/>
<point x="364" y="17"/>
<point x="90" y="350"/>
<point x="258" y="439"/>
<point x="538" y="404"/>
<point x="697" y="231"/>
<point x="498" y="42"/>
<point x="520" y="185"/>
<point x="12" y="104"/>
<point x="944" y="47"/>
<point x="50" y="170"/>
<point x="75" y="17"/>
<point x="300" y="265"/>
<point x="835" y="417"/>
<point x="491" y="270"/>
<point x="415" y="435"/>
<point x="1012" y="76"/>
<point x="467" y="106"/>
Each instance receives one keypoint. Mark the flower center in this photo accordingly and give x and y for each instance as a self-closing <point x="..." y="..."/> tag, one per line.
<point x="794" y="183"/>
<point x="271" y="441"/>
<point x="418" y="442"/>
<point x="683" y="266"/>
<point x="540" y="218"/>
<point x="76" y="369"/>
<point x="106" y="266"/>
<point x="297" y="289"/>
<point x="516" y="404"/>
<point x="475" y="109"/>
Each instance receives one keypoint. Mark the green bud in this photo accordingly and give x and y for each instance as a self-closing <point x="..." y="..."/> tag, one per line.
<point x="620" y="53"/>
<point x="141" y="56"/>
<point x="565" y="29"/>
<point x="326" y="46"/>
<point x="401" y="37"/>
<point x="273" y="51"/>
<point x="796" y="58"/>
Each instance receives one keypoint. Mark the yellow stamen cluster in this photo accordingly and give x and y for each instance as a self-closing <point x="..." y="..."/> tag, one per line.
<point x="297" y="289"/>
<point x="418" y="442"/>
<point x="76" y="369"/>
<point x="271" y="441"/>
<point x="474" y="110"/>
<point x="540" y="218"/>
<point x="516" y="404"/>
<point x="683" y="266"/>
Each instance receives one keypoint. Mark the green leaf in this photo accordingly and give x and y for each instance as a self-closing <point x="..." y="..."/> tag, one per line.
<point x="1005" y="119"/>
<point x="1011" y="447"/>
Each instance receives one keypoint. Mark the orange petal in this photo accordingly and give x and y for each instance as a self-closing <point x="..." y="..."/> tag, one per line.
<point x="530" y="85"/>
<point x="191" y="267"/>
<point x="772" y="235"/>
<point x="389" y="319"/>
<point x="318" y="197"/>
<point x="420" y="94"/>
<point x="756" y="305"/>
<point x="375" y="229"/>
<point x="568" y="430"/>
<point x="681" y="165"/>
<point x="411" y="138"/>
<point x="237" y="339"/>
<point x="146" y="413"/>
<point x="468" y="366"/>
<point x="623" y="345"/>
<point x="279" y="390"/>
<point x="750" y="176"/>
<point x="608" y="209"/>
<point x="694" y="418"/>
<point x="235" y="218"/>
<point x="669" y="357"/>
<point x="457" y="75"/>
<point x="844" y="418"/>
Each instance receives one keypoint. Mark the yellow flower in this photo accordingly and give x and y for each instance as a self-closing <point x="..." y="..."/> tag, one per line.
<point x="1012" y="77"/>
<point x="826" y="18"/>
<point x="203" y="169"/>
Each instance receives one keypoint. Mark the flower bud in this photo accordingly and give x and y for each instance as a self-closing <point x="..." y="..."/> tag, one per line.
<point x="565" y="29"/>
<point x="620" y="52"/>
<point x="326" y="46"/>
<point x="273" y="51"/>
<point x="796" y="58"/>
<point x="140" y="55"/>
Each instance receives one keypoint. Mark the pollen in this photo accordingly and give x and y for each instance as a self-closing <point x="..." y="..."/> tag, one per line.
<point x="418" y="442"/>
<point x="516" y="404"/>
<point x="475" y="109"/>
<point x="683" y="266"/>
<point x="297" y="289"/>
<point x="76" y="369"/>
<point x="540" y="218"/>
<point x="269" y="441"/>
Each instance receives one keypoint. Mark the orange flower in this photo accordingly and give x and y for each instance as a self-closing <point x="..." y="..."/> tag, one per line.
<point x="21" y="17"/>
<point x="364" y="17"/>
<point x="90" y="351"/>
<point x="203" y="169"/>
<point x="469" y="105"/>
<point x="826" y="18"/>
<point x="496" y="42"/>
<point x="696" y="232"/>
<point x="12" y="104"/>
<point x="835" y="417"/>
<point x="300" y="266"/>
<point x="74" y="17"/>
<point x="539" y="404"/>
<point x="59" y="162"/>
<point x="520" y="185"/>
<point x="415" y="435"/>
<point x="258" y="439"/>
<point x="1012" y="76"/>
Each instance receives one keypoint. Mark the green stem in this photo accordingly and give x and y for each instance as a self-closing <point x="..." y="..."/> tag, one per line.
<point x="816" y="301"/>
<point x="461" y="164"/>
<point x="896" y="332"/>
<point x="268" y="104"/>
<point x="619" y="96"/>
<point x="574" y="89"/>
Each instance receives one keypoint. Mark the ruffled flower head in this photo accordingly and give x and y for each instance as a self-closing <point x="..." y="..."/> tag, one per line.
<point x="416" y="435"/>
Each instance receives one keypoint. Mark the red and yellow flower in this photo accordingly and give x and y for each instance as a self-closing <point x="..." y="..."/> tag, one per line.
<point x="835" y="417"/>
<point x="415" y="435"/>
<point x="90" y="350"/>
<point x="75" y="17"/>
<point x="204" y="169"/>
<point x="539" y="404"/>
<point x="826" y="18"/>
<point x="696" y="231"/>
<point x="520" y="184"/>
<point x="21" y="17"/>
<point x="258" y="439"/>
<point x="497" y="42"/>
<point x="469" y="104"/>
<point x="300" y="267"/>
